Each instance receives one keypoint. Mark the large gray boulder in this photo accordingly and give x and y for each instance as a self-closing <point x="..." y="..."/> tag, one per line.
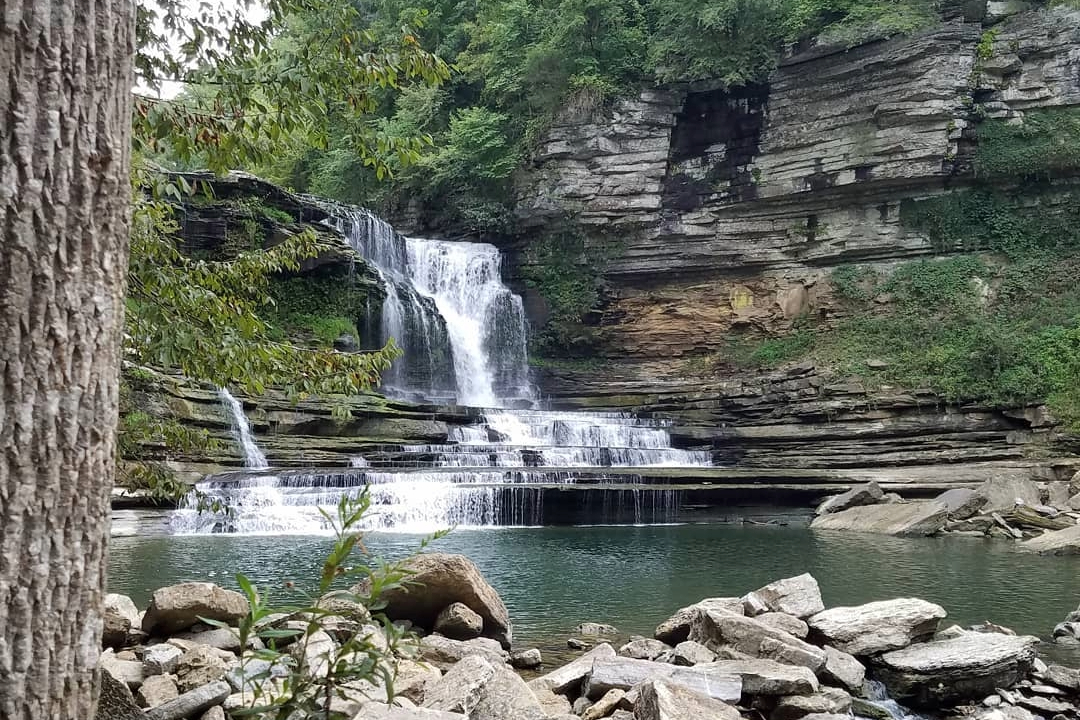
<point x="868" y="494"/>
<point x="1058" y="542"/>
<point x="718" y="630"/>
<point x="458" y="622"/>
<point x="1003" y="494"/>
<point x="442" y="652"/>
<point x="568" y="678"/>
<point x="677" y="627"/>
<point x="946" y="672"/>
<point x="624" y="673"/>
<point x="962" y="503"/>
<point x="877" y="626"/>
<point x="120" y="616"/>
<point x="843" y="669"/>
<point x="664" y="700"/>
<point x="766" y="677"/>
<point x="437" y="580"/>
<point x="178" y="607"/>
<point x="913" y="519"/>
<point x="484" y="691"/>
<point x="799" y="596"/>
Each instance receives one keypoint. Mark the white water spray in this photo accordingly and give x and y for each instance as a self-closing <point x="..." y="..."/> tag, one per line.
<point x="254" y="458"/>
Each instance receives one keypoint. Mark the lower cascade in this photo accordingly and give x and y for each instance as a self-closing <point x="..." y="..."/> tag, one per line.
<point x="463" y="334"/>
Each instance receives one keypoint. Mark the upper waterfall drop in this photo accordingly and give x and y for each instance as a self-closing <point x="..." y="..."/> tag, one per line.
<point x="461" y="330"/>
<point x="254" y="459"/>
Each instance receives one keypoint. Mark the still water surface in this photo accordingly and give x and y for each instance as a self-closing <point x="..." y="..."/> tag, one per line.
<point x="553" y="578"/>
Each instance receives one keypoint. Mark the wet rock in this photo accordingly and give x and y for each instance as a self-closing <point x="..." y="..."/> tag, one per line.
<point x="765" y="677"/>
<point x="161" y="658"/>
<point x="115" y="701"/>
<point x="604" y="706"/>
<point x="1067" y="632"/>
<point x="576" y="644"/>
<point x="868" y="494"/>
<point x="458" y="622"/>
<point x="716" y="629"/>
<point x="178" y="607"/>
<point x="644" y="649"/>
<point x="688" y="653"/>
<point x="912" y="519"/>
<point x="877" y="626"/>
<point x="157" y="690"/>
<point x="677" y="627"/>
<point x="120" y="616"/>
<point x="1003" y="494"/>
<point x="843" y="669"/>
<point x="829" y="701"/>
<point x="197" y="667"/>
<point x="591" y="629"/>
<point x="1058" y="542"/>
<point x="961" y="503"/>
<point x="799" y="596"/>
<point x="437" y="580"/>
<point x="788" y="623"/>
<point x="568" y="678"/>
<point x="943" y="672"/>
<point x="527" y="659"/>
<point x="664" y="700"/>
<point x="191" y="703"/>
<point x="442" y="652"/>
<point x="624" y="673"/>
<point x="484" y="691"/>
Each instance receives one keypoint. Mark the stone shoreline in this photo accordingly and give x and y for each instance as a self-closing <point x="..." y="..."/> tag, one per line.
<point x="775" y="653"/>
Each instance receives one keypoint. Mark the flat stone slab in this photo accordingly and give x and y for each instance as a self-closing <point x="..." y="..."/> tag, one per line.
<point x="901" y="519"/>
<point x="877" y="627"/>
<point x="1059" y="542"/>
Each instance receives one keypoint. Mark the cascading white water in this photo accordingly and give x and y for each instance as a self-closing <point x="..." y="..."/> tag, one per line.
<point x="241" y="431"/>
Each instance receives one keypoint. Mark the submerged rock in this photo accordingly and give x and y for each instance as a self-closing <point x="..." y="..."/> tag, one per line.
<point x="944" y="672"/>
<point x="437" y="580"/>
<point x="877" y="626"/>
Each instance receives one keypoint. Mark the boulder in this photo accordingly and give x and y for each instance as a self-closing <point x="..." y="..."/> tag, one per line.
<point x="829" y="701"/>
<point x="765" y="677"/>
<point x="947" y="672"/>
<point x="1058" y="542"/>
<point x="787" y="623"/>
<point x="191" y="703"/>
<point x="1003" y="494"/>
<point x="484" y="691"/>
<point x="677" y="627"/>
<point x="160" y="658"/>
<point x="624" y="673"/>
<point x="197" y="667"/>
<point x="115" y="701"/>
<point x="568" y="678"/>
<point x="799" y="596"/>
<point x="120" y="616"/>
<point x="458" y="622"/>
<point x="527" y="659"/>
<point x="442" y="652"/>
<point x="689" y="653"/>
<point x="157" y="690"/>
<point x="129" y="672"/>
<point x="843" y="669"/>
<point x="591" y="629"/>
<point x="869" y="494"/>
<point x="604" y="706"/>
<point x="961" y="503"/>
<point x="877" y="626"/>
<point x="717" y="629"/>
<point x="644" y="649"/>
<point x="437" y="580"/>
<point x="664" y="700"/>
<point x="903" y="519"/>
<point x="178" y="607"/>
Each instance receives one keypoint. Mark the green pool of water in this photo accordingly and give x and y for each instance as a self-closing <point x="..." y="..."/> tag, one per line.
<point x="633" y="577"/>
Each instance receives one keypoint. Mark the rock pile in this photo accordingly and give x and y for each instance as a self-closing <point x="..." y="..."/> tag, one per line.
<point x="776" y="653"/>
<point x="1046" y="519"/>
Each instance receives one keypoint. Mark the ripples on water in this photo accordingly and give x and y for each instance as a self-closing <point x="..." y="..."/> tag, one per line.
<point x="553" y="578"/>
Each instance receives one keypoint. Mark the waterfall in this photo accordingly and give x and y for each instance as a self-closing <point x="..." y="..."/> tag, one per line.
<point x="241" y="431"/>
<point x="462" y="331"/>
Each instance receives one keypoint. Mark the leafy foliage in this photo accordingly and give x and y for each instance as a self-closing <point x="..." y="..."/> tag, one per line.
<point x="1046" y="143"/>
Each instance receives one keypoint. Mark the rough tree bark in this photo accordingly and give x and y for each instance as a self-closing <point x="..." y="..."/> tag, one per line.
<point x="65" y="100"/>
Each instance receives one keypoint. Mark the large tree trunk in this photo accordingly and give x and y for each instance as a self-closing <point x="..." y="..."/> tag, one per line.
<point x="65" y="99"/>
